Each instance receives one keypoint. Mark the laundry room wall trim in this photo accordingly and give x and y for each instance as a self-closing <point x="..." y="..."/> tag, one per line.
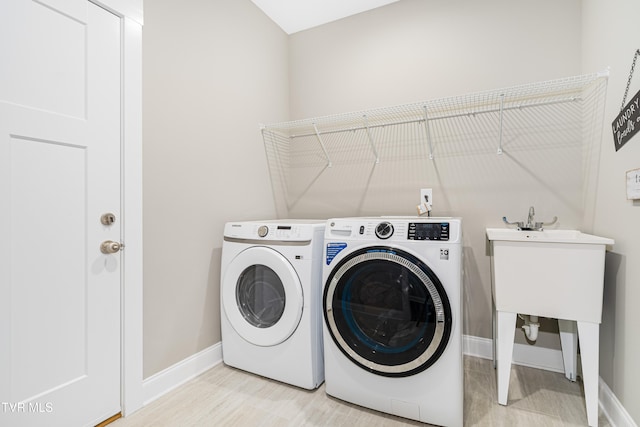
<point x="174" y="376"/>
<point x="612" y="408"/>
<point x="523" y="354"/>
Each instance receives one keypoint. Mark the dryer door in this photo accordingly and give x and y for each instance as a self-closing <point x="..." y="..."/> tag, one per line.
<point x="262" y="296"/>
<point x="387" y="311"/>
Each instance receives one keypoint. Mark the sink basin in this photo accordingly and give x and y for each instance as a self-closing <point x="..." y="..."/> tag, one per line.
<point x="550" y="273"/>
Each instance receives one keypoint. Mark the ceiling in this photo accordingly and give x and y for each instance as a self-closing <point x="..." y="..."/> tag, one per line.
<point x="297" y="15"/>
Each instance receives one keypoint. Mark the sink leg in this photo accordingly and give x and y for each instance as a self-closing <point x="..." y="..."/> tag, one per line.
<point x="506" y="328"/>
<point x="569" y="343"/>
<point x="589" y="334"/>
<point x="493" y="331"/>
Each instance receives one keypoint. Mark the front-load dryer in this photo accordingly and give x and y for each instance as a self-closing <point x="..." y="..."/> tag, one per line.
<point x="393" y="316"/>
<point x="270" y="297"/>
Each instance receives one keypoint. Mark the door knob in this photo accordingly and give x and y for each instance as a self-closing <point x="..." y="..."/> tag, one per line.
<point x="110" y="247"/>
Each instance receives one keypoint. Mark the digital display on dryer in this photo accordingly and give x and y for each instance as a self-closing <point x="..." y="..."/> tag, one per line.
<point x="428" y="231"/>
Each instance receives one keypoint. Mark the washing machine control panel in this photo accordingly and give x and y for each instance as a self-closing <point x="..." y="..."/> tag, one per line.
<point x="428" y="231"/>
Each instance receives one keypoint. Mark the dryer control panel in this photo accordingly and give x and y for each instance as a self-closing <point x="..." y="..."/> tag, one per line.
<point x="428" y="231"/>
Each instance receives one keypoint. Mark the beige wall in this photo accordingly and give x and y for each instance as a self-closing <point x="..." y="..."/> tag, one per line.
<point x="611" y="35"/>
<point x="417" y="50"/>
<point x="213" y="71"/>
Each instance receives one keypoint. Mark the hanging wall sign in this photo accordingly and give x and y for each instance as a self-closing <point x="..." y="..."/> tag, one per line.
<point x="627" y="123"/>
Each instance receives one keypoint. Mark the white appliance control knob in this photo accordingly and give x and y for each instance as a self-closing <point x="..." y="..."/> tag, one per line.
<point x="263" y="230"/>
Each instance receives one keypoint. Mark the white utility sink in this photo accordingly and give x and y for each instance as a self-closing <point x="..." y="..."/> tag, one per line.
<point x="551" y="273"/>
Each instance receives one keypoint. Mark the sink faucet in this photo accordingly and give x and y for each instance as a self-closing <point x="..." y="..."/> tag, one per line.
<point x="530" y="223"/>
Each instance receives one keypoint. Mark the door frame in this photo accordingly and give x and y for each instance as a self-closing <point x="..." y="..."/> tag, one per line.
<point x="130" y="13"/>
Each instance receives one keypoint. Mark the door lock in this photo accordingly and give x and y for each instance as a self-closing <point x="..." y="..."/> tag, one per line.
<point x="108" y="218"/>
<point x="110" y="247"/>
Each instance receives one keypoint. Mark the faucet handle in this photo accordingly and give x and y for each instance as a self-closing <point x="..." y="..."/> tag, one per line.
<point x="519" y="224"/>
<point x="539" y="225"/>
<point x="536" y="226"/>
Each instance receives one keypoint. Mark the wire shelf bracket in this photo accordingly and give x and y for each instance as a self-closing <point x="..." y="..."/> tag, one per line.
<point x="373" y="145"/>
<point x="501" y="122"/>
<point x="427" y="132"/>
<point x="324" y="148"/>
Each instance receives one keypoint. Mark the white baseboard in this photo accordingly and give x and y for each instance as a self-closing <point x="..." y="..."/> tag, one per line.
<point x="612" y="408"/>
<point x="550" y="360"/>
<point x="523" y="354"/>
<point x="477" y="347"/>
<point x="174" y="376"/>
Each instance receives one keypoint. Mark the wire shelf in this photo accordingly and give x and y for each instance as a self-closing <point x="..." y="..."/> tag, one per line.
<point x="535" y="116"/>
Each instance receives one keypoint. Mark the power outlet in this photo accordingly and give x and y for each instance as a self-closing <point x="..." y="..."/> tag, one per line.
<point x="426" y="201"/>
<point x="426" y="197"/>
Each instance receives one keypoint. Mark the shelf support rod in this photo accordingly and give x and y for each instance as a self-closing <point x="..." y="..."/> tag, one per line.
<point x="373" y="146"/>
<point x="501" y="122"/>
<point x="324" y="150"/>
<point x="444" y="117"/>
<point x="428" y="132"/>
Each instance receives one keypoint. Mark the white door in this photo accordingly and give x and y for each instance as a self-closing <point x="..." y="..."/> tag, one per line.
<point x="59" y="172"/>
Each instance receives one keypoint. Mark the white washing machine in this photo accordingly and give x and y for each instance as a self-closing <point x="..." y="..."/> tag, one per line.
<point x="393" y="316"/>
<point x="270" y="297"/>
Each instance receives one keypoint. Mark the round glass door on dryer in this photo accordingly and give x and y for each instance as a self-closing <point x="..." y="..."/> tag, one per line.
<point x="387" y="311"/>
<point x="262" y="296"/>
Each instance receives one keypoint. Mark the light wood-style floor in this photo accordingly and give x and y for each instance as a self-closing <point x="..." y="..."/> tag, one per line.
<point x="225" y="396"/>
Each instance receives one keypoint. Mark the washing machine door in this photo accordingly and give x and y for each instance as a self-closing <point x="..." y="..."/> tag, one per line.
<point x="262" y="296"/>
<point x="387" y="311"/>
